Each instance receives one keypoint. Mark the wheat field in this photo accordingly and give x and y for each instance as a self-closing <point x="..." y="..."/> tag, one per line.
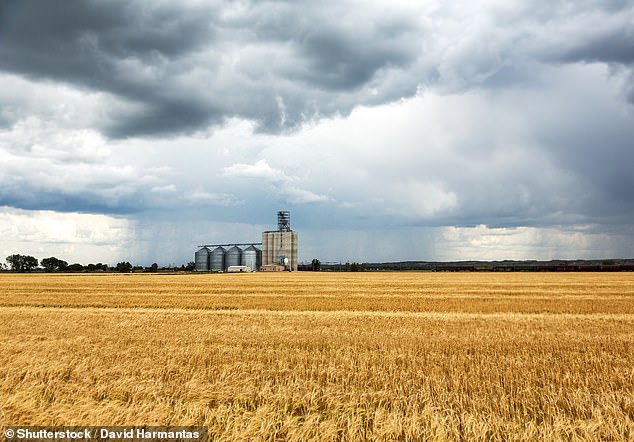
<point x="324" y="356"/>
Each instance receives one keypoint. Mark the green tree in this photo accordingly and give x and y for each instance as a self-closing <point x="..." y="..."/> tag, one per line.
<point x="22" y="263"/>
<point x="191" y="265"/>
<point x="316" y="265"/>
<point x="154" y="267"/>
<point x="15" y="262"/>
<point x="53" y="264"/>
<point x="123" y="267"/>
<point x="49" y="264"/>
<point x="354" y="267"/>
<point x="62" y="265"/>
<point x="75" y="267"/>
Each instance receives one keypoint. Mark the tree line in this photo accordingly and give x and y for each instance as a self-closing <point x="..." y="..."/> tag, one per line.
<point x="26" y="263"/>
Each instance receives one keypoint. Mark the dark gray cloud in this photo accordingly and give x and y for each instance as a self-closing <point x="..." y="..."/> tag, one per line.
<point x="42" y="38"/>
<point x="61" y="200"/>
<point x="103" y="47"/>
<point x="44" y="185"/>
<point x="180" y="67"/>
<point x="145" y="54"/>
<point x="163" y="116"/>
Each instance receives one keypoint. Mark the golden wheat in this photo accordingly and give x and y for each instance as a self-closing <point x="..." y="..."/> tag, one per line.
<point x="416" y="291"/>
<point x="324" y="356"/>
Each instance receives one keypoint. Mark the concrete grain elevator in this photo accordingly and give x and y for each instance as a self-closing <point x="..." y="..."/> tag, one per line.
<point x="279" y="247"/>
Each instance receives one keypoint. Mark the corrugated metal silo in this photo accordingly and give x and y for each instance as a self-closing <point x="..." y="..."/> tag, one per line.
<point x="201" y="260"/>
<point x="258" y="259"/>
<point x="217" y="259"/>
<point x="232" y="257"/>
<point x="250" y="257"/>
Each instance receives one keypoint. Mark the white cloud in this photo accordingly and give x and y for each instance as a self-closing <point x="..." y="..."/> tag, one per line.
<point x="300" y="196"/>
<point x="425" y="200"/>
<point x="202" y="197"/>
<point x="29" y="105"/>
<point x="284" y="185"/>
<point x="168" y="188"/>
<point x="485" y="243"/>
<point x="260" y="169"/>
<point x="69" y="236"/>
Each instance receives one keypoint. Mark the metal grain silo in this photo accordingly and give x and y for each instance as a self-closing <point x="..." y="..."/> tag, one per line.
<point x="258" y="259"/>
<point x="232" y="257"/>
<point x="250" y="257"/>
<point x="201" y="260"/>
<point x="217" y="259"/>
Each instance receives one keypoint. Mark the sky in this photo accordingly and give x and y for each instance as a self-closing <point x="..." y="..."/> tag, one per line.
<point x="392" y="130"/>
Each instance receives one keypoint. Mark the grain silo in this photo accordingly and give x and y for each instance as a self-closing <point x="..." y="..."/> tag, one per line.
<point x="217" y="259"/>
<point x="201" y="260"/>
<point x="279" y="247"/>
<point x="250" y="257"/>
<point x="232" y="257"/>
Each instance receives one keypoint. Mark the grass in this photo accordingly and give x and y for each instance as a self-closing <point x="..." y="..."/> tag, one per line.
<point x="381" y="356"/>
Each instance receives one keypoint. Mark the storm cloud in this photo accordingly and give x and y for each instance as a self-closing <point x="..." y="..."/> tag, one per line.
<point x="360" y="115"/>
<point x="181" y="67"/>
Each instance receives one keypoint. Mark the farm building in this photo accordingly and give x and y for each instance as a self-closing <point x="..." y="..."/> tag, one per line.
<point x="238" y="269"/>
<point x="278" y="248"/>
<point x="272" y="268"/>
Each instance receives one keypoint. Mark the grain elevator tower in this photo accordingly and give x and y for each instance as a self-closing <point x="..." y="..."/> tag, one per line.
<point x="279" y="247"/>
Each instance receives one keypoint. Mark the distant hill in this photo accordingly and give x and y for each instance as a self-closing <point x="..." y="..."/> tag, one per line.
<point x="598" y="265"/>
